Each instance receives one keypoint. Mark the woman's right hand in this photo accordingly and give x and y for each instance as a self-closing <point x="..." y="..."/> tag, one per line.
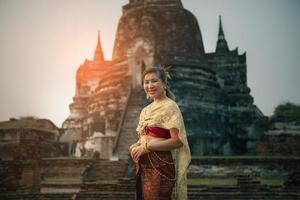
<point x="137" y="152"/>
<point x="131" y="147"/>
<point x="134" y="145"/>
<point x="132" y="150"/>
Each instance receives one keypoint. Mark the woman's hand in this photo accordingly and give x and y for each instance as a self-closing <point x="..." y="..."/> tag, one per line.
<point x="133" y="145"/>
<point x="136" y="153"/>
<point x="131" y="152"/>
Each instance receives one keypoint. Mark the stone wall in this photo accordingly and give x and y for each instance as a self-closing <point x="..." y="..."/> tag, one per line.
<point x="105" y="171"/>
<point x="29" y="143"/>
<point x="289" y="147"/>
<point x="280" y="138"/>
<point x="10" y="175"/>
<point x="279" y="163"/>
<point x="29" y="175"/>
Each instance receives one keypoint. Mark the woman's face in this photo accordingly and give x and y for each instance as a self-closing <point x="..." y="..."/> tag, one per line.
<point x="154" y="86"/>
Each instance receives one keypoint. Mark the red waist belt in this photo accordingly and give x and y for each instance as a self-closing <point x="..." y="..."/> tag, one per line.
<point x="158" y="132"/>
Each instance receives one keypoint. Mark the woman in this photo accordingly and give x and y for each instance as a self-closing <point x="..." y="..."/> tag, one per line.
<point x="161" y="130"/>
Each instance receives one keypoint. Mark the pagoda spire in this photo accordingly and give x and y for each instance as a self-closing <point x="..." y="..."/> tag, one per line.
<point x="221" y="43"/>
<point x="98" y="55"/>
<point x="221" y="32"/>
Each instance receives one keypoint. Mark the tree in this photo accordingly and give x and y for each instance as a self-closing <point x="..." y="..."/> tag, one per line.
<point x="287" y="112"/>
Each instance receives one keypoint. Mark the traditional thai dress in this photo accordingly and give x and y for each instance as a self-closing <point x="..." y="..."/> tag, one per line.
<point x="162" y="174"/>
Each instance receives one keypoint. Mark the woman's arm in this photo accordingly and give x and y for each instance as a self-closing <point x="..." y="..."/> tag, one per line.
<point x="158" y="145"/>
<point x="166" y="145"/>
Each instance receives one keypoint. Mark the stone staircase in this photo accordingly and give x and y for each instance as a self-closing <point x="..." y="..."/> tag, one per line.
<point x="105" y="170"/>
<point x="120" y="185"/>
<point x="128" y="131"/>
<point x="105" y="176"/>
<point x="129" y="195"/>
<point x="98" y="175"/>
<point x="62" y="175"/>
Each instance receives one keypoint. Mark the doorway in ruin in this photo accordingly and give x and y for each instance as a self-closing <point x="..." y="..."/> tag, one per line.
<point x="140" y="58"/>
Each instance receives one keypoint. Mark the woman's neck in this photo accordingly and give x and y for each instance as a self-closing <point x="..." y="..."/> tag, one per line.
<point x="159" y="99"/>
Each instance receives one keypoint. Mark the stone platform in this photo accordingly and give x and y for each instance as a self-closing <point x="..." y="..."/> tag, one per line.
<point x="88" y="179"/>
<point x="193" y="195"/>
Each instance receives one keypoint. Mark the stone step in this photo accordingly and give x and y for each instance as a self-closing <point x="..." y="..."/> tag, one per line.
<point x="60" y="190"/>
<point x="128" y="133"/>
<point x="106" y="170"/>
<point x="130" y="195"/>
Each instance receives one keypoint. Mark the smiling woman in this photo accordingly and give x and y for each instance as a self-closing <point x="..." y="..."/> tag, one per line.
<point x="161" y="130"/>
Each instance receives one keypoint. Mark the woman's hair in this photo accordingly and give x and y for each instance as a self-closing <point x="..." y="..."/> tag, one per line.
<point x="162" y="75"/>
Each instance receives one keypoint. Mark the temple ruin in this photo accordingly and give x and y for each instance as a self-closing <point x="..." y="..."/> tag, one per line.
<point x="88" y="158"/>
<point x="210" y="87"/>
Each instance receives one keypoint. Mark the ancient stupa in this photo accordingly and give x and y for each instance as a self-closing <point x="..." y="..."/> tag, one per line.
<point x="210" y="87"/>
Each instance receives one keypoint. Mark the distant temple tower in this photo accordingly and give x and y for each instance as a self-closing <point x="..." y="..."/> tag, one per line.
<point x="222" y="46"/>
<point x="210" y="88"/>
<point x="88" y="78"/>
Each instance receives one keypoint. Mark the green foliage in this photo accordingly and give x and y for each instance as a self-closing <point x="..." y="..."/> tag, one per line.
<point x="287" y="112"/>
<point x="213" y="181"/>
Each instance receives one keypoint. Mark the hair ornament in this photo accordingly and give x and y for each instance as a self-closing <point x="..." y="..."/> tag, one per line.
<point x="166" y="69"/>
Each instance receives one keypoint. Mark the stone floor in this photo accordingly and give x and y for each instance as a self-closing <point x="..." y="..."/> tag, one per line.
<point x="195" y="195"/>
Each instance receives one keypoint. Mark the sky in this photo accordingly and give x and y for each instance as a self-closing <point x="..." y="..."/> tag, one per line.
<point x="43" y="42"/>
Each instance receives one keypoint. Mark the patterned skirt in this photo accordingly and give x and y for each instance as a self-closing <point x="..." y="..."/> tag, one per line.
<point x="155" y="176"/>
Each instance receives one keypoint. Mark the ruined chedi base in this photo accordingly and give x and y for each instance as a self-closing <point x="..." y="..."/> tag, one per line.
<point x="211" y="88"/>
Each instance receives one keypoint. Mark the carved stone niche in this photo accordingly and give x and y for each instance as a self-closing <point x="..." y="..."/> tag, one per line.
<point x="140" y="57"/>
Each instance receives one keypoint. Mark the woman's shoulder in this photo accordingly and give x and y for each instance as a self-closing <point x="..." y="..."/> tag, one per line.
<point x="170" y="103"/>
